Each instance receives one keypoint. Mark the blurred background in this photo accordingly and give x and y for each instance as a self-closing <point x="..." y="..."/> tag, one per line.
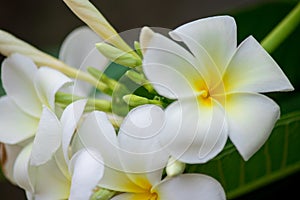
<point x="45" y="24"/>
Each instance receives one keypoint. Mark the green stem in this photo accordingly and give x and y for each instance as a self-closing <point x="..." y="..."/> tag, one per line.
<point x="282" y="31"/>
<point x="75" y="73"/>
<point x="65" y="99"/>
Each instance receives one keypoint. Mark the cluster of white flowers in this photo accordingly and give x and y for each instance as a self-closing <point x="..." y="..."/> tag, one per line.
<point x="59" y="142"/>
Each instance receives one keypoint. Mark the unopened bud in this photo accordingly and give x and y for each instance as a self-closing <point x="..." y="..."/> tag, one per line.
<point x="102" y="194"/>
<point x="174" y="167"/>
<point x="140" y="80"/>
<point x="134" y="100"/>
<point x="145" y="38"/>
<point x="118" y="56"/>
<point x="136" y="77"/>
<point x="137" y="47"/>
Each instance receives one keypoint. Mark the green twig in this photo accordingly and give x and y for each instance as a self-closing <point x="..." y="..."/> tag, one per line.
<point x="282" y="30"/>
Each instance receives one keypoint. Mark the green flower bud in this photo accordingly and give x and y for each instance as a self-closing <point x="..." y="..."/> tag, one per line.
<point x="140" y="80"/>
<point x="134" y="100"/>
<point x="102" y="194"/>
<point x="118" y="56"/>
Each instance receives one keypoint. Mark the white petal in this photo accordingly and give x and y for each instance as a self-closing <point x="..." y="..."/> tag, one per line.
<point x="78" y="50"/>
<point x="22" y="172"/>
<point x="97" y="133"/>
<point x="17" y="76"/>
<point x="93" y="59"/>
<point x="15" y="125"/>
<point x="61" y="163"/>
<point x="138" y="140"/>
<point x="77" y="45"/>
<point x="190" y="186"/>
<point x="47" y="82"/>
<point x="8" y="156"/>
<point x="29" y="195"/>
<point x="251" y="118"/>
<point x="50" y="182"/>
<point x="194" y="132"/>
<point x="69" y="121"/>
<point x="169" y="67"/>
<point x="86" y="172"/>
<point x="47" y="139"/>
<point x="215" y="35"/>
<point x="138" y="136"/>
<point x="252" y="69"/>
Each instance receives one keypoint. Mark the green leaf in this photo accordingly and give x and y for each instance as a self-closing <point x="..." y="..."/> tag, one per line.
<point x="278" y="158"/>
<point x="115" y="71"/>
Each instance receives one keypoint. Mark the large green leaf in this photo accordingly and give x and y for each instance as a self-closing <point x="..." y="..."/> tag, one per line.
<point x="278" y="158"/>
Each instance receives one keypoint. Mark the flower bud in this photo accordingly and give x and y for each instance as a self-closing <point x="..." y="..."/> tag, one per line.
<point x="174" y="167"/>
<point x="102" y="194"/>
<point x="118" y="56"/>
<point x="140" y="80"/>
<point x="134" y="100"/>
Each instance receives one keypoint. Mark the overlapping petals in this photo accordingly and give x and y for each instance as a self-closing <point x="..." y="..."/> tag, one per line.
<point x="204" y="127"/>
<point x="216" y="88"/>
<point x="134" y="160"/>
<point x="28" y="89"/>
<point x="54" y="176"/>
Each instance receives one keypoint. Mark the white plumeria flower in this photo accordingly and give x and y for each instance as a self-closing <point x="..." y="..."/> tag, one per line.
<point x="134" y="160"/>
<point x="217" y="85"/>
<point x="63" y="176"/>
<point x="27" y="89"/>
<point x="78" y="50"/>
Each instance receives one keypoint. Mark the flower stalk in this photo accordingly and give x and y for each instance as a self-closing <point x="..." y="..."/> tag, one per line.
<point x="92" y="104"/>
<point x="282" y="30"/>
<point x="89" y="14"/>
<point x="10" y="44"/>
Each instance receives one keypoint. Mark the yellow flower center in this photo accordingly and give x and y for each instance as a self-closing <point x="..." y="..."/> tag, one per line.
<point x="153" y="196"/>
<point x="146" y="192"/>
<point x="202" y="92"/>
<point x="145" y="196"/>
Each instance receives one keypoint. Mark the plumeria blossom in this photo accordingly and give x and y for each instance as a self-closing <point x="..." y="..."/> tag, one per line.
<point x="134" y="159"/>
<point x="28" y="89"/>
<point x="32" y="96"/>
<point x="78" y="50"/>
<point x="217" y="86"/>
<point x="66" y="175"/>
<point x="29" y="95"/>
